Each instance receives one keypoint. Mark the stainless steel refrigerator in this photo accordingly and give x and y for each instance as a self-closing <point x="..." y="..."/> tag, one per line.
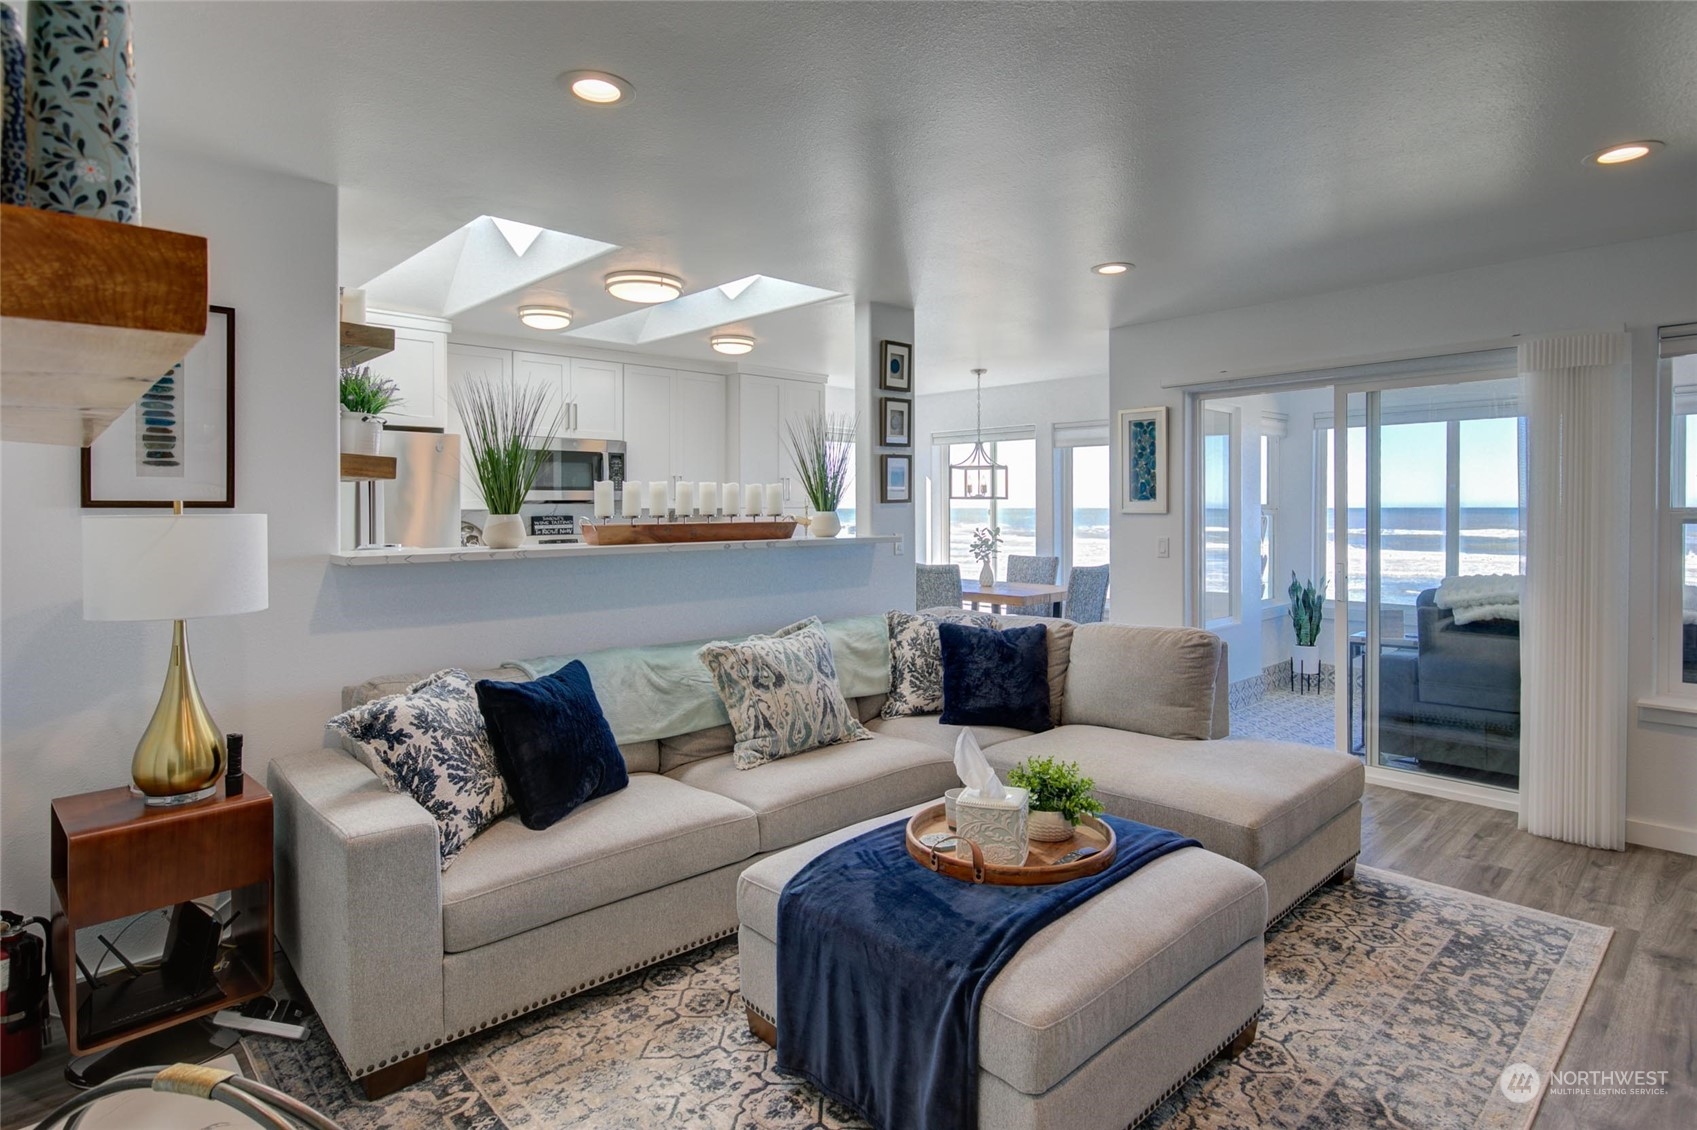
<point x="420" y="507"/>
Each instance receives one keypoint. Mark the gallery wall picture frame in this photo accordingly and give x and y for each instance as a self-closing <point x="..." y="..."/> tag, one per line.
<point x="895" y="421"/>
<point x="1143" y="460"/>
<point x="178" y="442"/>
<point x="895" y="373"/>
<point x="896" y="481"/>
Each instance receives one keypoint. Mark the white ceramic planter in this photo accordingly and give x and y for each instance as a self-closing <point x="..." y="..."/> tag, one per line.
<point x="1048" y="827"/>
<point x="1307" y="660"/>
<point x="503" y="531"/>
<point x="361" y="435"/>
<point x="826" y="524"/>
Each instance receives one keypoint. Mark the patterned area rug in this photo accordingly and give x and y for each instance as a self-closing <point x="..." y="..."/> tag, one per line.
<point x="1390" y="1002"/>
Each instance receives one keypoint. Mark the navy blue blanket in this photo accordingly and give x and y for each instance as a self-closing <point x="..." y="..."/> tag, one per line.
<point x="882" y="964"/>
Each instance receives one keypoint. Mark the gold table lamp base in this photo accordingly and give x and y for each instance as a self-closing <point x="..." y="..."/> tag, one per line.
<point x="181" y="756"/>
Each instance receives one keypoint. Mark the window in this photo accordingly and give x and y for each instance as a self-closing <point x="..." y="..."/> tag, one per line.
<point x="1219" y="531"/>
<point x="1678" y="639"/>
<point x="1088" y="485"/>
<point x="1016" y="514"/>
<point x="1269" y="445"/>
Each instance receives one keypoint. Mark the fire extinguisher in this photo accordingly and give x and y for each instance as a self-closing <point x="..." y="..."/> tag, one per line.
<point x="23" y="990"/>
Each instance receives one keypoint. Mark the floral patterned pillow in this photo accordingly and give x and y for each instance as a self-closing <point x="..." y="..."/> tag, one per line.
<point x="781" y="693"/>
<point x="916" y="660"/>
<point x="430" y="743"/>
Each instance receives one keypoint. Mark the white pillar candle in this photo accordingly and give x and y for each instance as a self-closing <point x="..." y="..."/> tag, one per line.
<point x="633" y="499"/>
<point x="707" y="497"/>
<point x="657" y="499"/>
<point x="686" y="499"/>
<point x="753" y="499"/>
<point x="604" y="499"/>
<point x="733" y="499"/>
<point x="774" y="499"/>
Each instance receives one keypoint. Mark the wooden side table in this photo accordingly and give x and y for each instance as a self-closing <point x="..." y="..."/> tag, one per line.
<point x="114" y="857"/>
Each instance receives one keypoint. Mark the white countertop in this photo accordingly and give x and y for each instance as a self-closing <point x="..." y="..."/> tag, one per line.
<point x="530" y="552"/>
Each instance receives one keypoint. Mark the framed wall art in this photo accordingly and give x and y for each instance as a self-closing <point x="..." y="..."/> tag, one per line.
<point x="898" y="471"/>
<point x="178" y="442"/>
<point x="1143" y="460"/>
<point x="895" y="422"/>
<point x="896" y="375"/>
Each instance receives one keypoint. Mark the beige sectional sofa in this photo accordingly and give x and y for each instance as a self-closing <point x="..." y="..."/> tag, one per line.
<point x="400" y="957"/>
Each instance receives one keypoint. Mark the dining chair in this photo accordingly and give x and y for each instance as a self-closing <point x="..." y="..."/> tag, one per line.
<point x="937" y="586"/>
<point x="1087" y="594"/>
<point x="1033" y="570"/>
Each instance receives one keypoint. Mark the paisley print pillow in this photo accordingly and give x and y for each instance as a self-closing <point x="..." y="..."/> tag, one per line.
<point x="916" y="660"/>
<point x="430" y="743"/>
<point x="781" y="693"/>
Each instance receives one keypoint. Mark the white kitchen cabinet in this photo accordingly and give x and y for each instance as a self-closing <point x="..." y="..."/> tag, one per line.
<point x="552" y="375"/>
<point x="418" y="366"/>
<point x="761" y="410"/>
<point x="596" y="393"/>
<point x="674" y="425"/>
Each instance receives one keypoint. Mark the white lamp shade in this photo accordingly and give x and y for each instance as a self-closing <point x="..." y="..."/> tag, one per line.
<point x="173" y="566"/>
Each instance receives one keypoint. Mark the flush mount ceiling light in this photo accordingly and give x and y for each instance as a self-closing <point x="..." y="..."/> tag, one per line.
<point x="1112" y="268"/>
<point x="734" y="344"/>
<point x="1623" y="153"/>
<point x="545" y="317"/>
<point x="598" y="88"/>
<point x="644" y="286"/>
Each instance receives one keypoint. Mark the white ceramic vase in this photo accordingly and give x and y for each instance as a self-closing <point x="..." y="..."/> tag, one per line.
<point x="1307" y="660"/>
<point x="503" y="531"/>
<point x="1048" y="827"/>
<point x="361" y="435"/>
<point x="826" y="524"/>
<point x="987" y="573"/>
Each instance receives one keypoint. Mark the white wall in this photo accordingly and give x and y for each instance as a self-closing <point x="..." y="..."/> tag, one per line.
<point x="1035" y="404"/>
<point x="74" y="695"/>
<point x="874" y="323"/>
<point x="1638" y="286"/>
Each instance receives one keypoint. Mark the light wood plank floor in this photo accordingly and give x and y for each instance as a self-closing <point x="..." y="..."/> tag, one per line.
<point x="1642" y="1011"/>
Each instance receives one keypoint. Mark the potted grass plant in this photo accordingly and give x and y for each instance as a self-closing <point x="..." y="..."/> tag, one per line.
<point x="503" y="421"/>
<point x="1307" y="610"/>
<point x="1061" y="796"/>
<point x="986" y="543"/>
<point x="822" y="447"/>
<point x="365" y="396"/>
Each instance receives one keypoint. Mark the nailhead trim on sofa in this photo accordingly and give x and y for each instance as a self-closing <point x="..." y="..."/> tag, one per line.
<point x="1189" y="1075"/>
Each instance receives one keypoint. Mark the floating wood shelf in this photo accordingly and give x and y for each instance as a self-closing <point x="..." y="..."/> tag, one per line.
<point x="92" y="313"/>
<point x="361" y="343"/>
<point x="358" y="468"/>
<point x="674" y="533"/>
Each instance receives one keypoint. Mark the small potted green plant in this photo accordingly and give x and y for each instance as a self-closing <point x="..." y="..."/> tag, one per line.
<point x="1307" y="610"/>
<point x="986" y="543"/>
<point x="365" y="397"/>
<point x="822" y="447"/>
<point x="503" y="423"/>
<point x="1061" y="796"/>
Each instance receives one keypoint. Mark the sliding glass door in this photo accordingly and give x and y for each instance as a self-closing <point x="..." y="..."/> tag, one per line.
<point x="1431" y="560"/>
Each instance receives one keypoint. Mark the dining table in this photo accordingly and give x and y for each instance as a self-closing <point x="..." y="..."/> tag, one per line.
<point x="1024" y="596"/>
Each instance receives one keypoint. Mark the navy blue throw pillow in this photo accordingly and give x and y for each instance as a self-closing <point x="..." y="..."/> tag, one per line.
<point x="995" y="678"/>
<point x="552" y="743"/>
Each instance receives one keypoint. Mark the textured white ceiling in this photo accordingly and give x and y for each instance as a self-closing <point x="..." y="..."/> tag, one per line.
<point x="972" y="160"/>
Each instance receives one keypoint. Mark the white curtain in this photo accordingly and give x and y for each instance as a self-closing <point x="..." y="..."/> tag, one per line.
<point x="1573" y="691"/>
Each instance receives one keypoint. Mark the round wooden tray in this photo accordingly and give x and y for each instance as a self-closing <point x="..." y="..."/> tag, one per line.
<point x="1039" y="868"/>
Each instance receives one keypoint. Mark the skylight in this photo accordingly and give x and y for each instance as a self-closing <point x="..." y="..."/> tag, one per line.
<point x="478" y="263"/>
<point x="704" y="310"/>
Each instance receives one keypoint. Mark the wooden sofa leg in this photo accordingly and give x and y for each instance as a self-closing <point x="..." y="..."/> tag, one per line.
<point x="387" y="1080"/>
<point x="764" y="1030"/>
<point x="1344" y="874"/>
<point x="1242" y="1041"/>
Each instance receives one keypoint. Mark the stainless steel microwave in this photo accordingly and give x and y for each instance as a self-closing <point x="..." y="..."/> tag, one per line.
<point x="571" y="468"/>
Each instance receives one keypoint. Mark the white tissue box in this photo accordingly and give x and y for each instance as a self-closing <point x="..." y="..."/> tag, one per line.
<point x="996" y="826"/>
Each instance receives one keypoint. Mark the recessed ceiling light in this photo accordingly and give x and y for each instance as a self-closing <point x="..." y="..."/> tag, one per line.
<point x="545" y="317"/>
<point x="734" y="344"/>
<point x="598" y="88"/>
<point x="1112" y="268"/>
<point x="1623" y="153"/>
<point x="644" y="286"/>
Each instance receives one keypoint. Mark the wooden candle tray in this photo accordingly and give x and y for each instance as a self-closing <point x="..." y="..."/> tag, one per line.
<point x="1039" y="868"/>
<point x="678" y="533"/>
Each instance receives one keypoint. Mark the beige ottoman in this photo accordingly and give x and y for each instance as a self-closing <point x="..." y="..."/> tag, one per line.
<point x="1102" y="1014"/>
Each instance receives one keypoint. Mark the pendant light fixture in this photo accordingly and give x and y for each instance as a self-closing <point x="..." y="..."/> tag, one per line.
<point x="978" y="477"/>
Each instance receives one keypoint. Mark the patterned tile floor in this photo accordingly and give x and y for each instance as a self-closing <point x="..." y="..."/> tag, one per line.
<point x="1285" y="716"/>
